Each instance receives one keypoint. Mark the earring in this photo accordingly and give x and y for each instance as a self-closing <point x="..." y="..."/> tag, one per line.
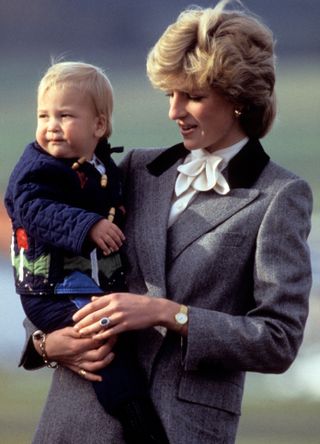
<point x="237" y="113"/>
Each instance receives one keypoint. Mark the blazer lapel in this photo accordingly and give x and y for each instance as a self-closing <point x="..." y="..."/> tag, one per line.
<point x="154" y="202"/>
<point x="205" y="213"/>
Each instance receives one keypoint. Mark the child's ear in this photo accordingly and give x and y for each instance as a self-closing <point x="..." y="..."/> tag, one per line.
<point x="101" y="126"/>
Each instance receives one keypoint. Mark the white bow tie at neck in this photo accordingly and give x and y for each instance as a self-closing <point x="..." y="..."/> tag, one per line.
<point x="202" y="174"/>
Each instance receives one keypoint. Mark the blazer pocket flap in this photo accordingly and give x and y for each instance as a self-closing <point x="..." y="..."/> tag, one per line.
<point x="227" y="239"/>
<point x="222" y="395"/>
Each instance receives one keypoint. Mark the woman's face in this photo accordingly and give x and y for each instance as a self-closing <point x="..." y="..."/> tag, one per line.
<point x="205" y="118"/>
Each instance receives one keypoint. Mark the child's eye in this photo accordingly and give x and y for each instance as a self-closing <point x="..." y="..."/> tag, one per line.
<point x="42" y="116"/>
<point x="64" y="115"/>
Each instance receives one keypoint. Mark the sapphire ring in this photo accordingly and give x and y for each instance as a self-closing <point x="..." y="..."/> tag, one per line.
<point x="104" y="322"/>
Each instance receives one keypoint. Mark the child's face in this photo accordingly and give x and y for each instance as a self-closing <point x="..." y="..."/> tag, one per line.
<point x="67" y="125"/>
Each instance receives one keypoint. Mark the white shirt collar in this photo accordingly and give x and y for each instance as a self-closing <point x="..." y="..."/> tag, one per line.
<point x="96" y="162"/>
<point x="225" y="153"/>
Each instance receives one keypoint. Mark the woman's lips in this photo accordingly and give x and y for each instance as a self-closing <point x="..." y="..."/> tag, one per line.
<point x="187" y="130"/>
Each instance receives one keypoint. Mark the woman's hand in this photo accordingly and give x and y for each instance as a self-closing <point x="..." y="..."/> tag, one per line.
<point x="70" y="349"/>
<point x="125" y="311"/>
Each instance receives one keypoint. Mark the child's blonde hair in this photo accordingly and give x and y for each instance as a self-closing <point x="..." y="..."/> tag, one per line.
<point x="89" y="79"/>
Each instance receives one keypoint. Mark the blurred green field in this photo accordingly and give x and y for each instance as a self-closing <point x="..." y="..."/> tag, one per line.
<point x="22" y="395"/>
<point x="140" y="116"/>
<point x="279" y="422"/>
<point x="263" y="421"/>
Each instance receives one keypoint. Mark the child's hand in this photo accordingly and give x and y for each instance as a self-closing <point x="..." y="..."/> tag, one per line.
<point x="107" y="236"/>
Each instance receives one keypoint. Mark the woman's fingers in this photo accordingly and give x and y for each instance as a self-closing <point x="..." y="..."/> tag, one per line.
<point x="101" y="353"/>
<point x="67" y="345"/>
<point x="118" y="312"/>
<point x="83" y="355"/>
<point x="92" y="322"/>
<point x="94" y="365"/>
<point x="98" y="329"/>
<point x="98" y="322"/>
<point x="84" y="374"/>
<point x="92" y="309"/>
<point x="92" y="361"/>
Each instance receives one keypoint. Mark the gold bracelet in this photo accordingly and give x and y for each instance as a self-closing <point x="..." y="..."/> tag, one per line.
<point x="40" y="336"/>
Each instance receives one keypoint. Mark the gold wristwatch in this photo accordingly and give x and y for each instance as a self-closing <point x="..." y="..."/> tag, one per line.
<point x="182" y="316"/>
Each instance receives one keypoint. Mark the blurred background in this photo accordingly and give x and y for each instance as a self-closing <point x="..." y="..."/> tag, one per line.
<point x="117" y="34"/>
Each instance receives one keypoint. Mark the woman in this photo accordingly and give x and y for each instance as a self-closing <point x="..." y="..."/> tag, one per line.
<point x="219" y="266"/>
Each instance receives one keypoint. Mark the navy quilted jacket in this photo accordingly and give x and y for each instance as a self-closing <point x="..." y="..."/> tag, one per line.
<point x="52" y="208"/>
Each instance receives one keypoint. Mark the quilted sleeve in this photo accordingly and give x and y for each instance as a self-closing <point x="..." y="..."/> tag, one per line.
<point x="44" y="200"/>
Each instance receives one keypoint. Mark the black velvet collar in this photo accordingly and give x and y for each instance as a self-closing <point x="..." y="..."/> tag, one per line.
<point x="104" y="150"/>
<point x="166" y="159"/>
<point x="243" y="170"/>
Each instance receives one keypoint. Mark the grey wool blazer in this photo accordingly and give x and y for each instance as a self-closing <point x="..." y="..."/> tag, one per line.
<point x="240" y="262"/>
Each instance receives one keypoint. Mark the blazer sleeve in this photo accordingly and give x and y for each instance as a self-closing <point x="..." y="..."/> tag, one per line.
<point x="30" y="359"/>
<point x="267" y="338"/>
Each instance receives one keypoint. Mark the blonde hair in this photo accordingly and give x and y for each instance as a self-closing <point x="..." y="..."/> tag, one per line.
<point x="89" y="79"/>
<point x="227" y="50"/>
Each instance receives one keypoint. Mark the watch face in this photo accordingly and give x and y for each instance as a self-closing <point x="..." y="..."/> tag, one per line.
<point x="181" y="318"/>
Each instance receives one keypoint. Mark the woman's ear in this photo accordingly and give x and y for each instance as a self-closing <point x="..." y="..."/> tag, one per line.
<point x="101" y="126"/>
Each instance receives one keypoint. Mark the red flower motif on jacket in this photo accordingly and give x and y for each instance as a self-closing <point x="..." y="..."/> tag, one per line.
<point x="22" y="238"/>
<point x="83" y="178"/>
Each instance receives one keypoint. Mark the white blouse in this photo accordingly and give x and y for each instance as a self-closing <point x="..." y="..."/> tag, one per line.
<point x="201" y="171"/>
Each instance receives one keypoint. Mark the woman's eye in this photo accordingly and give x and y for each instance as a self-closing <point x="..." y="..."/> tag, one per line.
<point x="195" y="98"/>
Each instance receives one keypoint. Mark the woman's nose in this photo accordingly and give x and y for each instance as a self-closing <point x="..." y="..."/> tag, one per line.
<point x="177" y="108"/>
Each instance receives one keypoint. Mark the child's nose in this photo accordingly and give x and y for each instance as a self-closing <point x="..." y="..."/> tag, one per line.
<point x="53" y="124"/>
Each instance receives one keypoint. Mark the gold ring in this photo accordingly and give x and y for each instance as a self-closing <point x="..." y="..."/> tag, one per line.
<point x="82" y="372"/>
